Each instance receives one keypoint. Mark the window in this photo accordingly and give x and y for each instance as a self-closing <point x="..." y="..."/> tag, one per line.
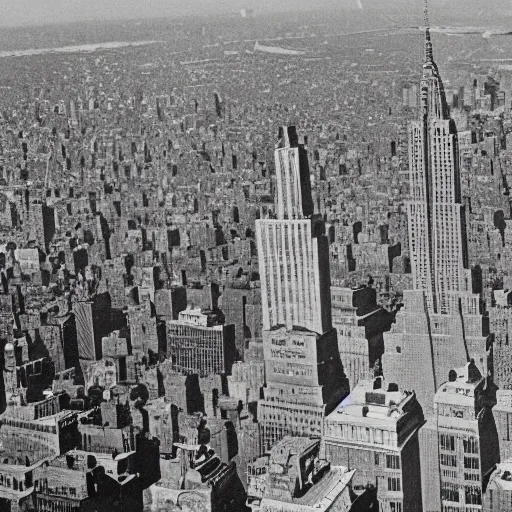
<point x="392" y="461"/>
<point x="448" y="460"/>
<point x="377" y="459"/>
<point x="473" y="495"/>
<point x="394" y="484"/>
<point x="507" y="432"/>
<point x="449" y="473"/>
<point x="449" y="493"/>
<point x="395" y="506"/>
<point x="471" y="463"/>
<point x="447" y="442"/>
<point x="471" y="445"/>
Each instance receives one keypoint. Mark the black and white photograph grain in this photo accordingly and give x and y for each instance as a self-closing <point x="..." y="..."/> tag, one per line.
<point x="255" y="256"/>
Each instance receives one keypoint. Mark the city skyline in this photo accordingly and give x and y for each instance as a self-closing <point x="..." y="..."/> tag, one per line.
<point x="256" y="262"/>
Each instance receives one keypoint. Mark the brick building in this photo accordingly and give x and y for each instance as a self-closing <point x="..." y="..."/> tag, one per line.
<point x="82" y="481"/>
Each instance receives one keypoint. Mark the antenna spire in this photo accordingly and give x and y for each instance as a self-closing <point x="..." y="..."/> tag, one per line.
<point x="429" y="58"/>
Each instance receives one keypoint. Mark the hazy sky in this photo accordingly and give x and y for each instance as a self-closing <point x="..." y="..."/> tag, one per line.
<point x="22" y="12"/>
<point x="28" y="12"/>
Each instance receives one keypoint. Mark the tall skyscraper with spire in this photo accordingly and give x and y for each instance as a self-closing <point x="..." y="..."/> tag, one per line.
<point x="440" y="326"/>
<point x="304" y="375"/>
<point x="436" y="234"/>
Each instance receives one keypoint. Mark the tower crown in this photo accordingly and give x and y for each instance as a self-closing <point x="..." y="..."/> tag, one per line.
<point x="429" y="55"/>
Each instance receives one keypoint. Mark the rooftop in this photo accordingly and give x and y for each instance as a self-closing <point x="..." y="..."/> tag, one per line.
<point x="324" y="492"/>
<point x="503" y="475"/>
<point x="461" y="386"/>
<point x="380" y="407"/>
<point x="281" y="451"/>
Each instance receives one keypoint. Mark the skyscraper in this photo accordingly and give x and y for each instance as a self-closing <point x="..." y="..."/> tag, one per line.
<point x="304" y="376"/>
<point x="294" y="291"/>
<point x="437" y="238"/>
<point x="440" y="326"/>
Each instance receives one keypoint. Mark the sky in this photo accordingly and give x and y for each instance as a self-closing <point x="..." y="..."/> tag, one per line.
<point x="28" y="12"/>
<point x="31" y="12"/>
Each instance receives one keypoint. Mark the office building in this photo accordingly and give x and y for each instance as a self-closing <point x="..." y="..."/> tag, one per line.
<point x="375" y="431"/>
<point x="199" y="343"/>
<point x="304" y="375"/>
<point x="440" y="326"/>
<point x="458" y="446"/>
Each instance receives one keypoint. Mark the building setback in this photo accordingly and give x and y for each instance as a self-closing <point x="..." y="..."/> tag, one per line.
<point x="360" y="324"/>
<point x="304" y="375"/>
<point x="440" y="326"/>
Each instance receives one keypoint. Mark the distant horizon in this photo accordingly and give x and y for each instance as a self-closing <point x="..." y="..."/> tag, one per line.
<point x="203" y="10"/>
<point x="34" y="13"/>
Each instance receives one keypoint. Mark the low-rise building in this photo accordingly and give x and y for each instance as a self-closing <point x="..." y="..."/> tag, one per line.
<point x="82" y="481"/>
<point x="292" y="476"/>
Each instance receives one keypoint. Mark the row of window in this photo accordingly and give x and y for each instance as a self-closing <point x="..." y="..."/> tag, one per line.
<point x="451" y="460"/>
<point x="473" y="495"/>
<point x="364" y="434"/>
<point x="59" y="491"/>
<point x="448" y="460"/>
<point x="447" y="443"/>
<point x="392" y="461"/>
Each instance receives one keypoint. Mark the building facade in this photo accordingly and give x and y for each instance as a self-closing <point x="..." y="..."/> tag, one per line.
<point x="441" y="325"/>
<point x="498" y="495"/>
<point x="293" y="476"/>
<point x="304" y="375"/>
<point x="198" y="343"/>
<point x="435" y="211"/>
<point x="375" y="431"/>
<point x="459" y="445"/>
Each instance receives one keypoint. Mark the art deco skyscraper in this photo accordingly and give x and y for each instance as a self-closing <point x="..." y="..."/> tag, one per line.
<point x="437" y="241"/>
<point x="294" y="290"/>
<point x="440" y="326"/>
<point x="304" y="375"/>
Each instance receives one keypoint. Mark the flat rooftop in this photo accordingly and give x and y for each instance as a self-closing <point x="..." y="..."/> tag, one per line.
<point x="377" y="407"/>
<point x="323" y="493"/>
